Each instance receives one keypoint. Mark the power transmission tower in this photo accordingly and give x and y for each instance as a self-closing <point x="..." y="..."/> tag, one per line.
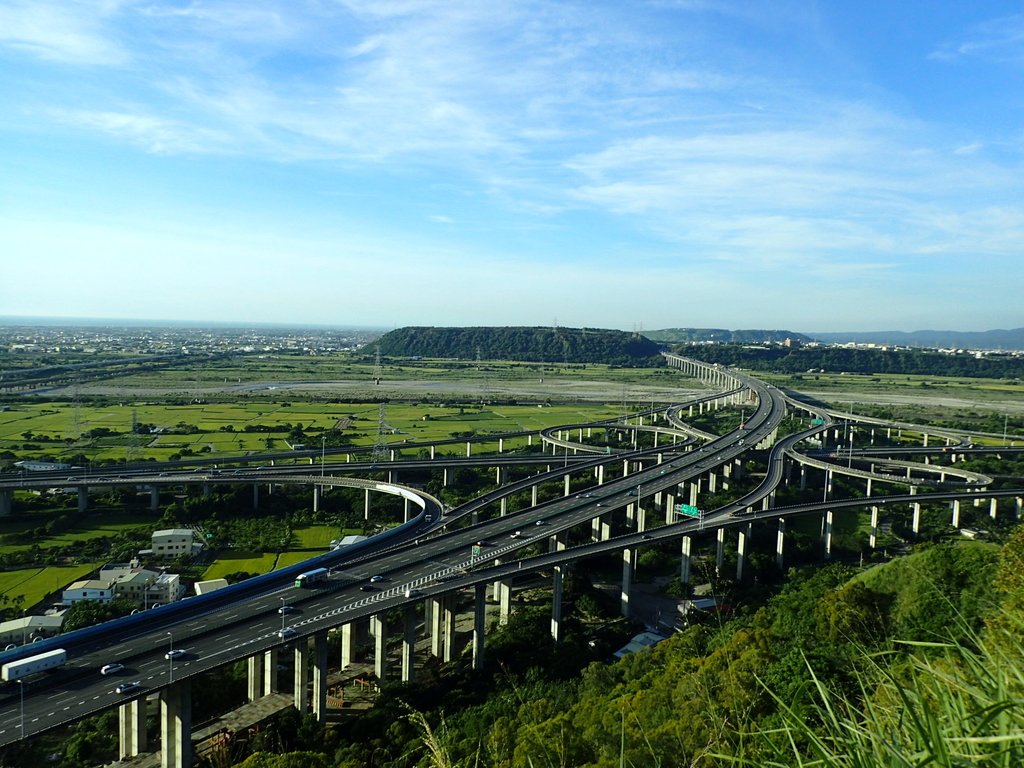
<point x="131" y="449"/>
<point x="376" y="367"/>
<point x="380" y="446"/>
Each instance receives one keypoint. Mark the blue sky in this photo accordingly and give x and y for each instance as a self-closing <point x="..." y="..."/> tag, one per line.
<point x="813" y="166"/>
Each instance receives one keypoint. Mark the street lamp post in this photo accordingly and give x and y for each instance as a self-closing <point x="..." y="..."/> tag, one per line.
<point x="21" y="689"/>
<point x="170" y="658"/>
<point x="282" y="614"/>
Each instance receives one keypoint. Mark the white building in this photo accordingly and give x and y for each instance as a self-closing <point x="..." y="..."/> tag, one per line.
<point x="88" y="589"/>
<point x="29" y="628"/>
<point x="174" y="542"/>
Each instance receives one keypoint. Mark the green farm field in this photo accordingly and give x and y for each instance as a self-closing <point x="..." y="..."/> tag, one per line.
<point x="36" y="583"/>
<point x="58" y="431"/>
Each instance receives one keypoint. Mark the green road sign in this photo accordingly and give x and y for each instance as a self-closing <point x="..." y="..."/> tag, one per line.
<point x="818" y="422"/>
<point x="687" y="509"/>
<point x="477" y="550"/>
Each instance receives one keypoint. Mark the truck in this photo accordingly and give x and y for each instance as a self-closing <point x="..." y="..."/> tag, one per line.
<point x="30" y="665"/>
<point x="315" y="576"/>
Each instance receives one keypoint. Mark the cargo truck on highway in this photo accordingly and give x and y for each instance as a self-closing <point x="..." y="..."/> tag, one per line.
<point x="30" y="665"/>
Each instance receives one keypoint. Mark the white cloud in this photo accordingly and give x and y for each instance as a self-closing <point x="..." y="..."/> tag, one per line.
<point x="70" y="32"/>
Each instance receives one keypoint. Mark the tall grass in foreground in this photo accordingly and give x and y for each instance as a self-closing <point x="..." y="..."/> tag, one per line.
<point x="946" y="705"/>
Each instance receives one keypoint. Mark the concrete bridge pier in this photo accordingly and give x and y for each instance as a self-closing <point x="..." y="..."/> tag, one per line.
<point x="300" y="678"/>
<point x="533" y="497"/>
<point x="409" y="642"/>
<point x="628" y="571"/>
<point x="83" y="499"/>
<point x="316" y="498"/>
<point x="780" y="544"/>
<point x="993" y="505"/>
<point x="955" y="522"/>
<point x="131" y="720"/>
<point x="670" y="508"/>
<point x="448" y="606"/>
<point x="504" y="602"/>
<point x="565" y="484"/>
<point x="347" y="646"/>
<point x="176" y="725"/>
<point x="154" y="499"/>
<point x="320" y="676"/>
<point x="873" y="538"/>
<point x="684" y="561"/>
<point x="556" y="604"/>
<point x="916" y="506"/>
<point x="379" y="632"/>
<point x="479" y="624"/>
<point x="255" y="497"/>
<point x="742" y="538"/>
<point x="5" y="503"/>
<point x="366" y="504"/>
<point x="256" y="678"/>
<point x="719" y="551"/>
<point x="1018" y="502"/>
<point x="828" y="534"/>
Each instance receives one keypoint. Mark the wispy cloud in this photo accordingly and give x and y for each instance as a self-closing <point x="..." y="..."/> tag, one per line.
<point x="70" y="31"/>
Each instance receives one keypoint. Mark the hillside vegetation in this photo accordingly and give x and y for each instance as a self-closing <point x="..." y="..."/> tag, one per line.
<point x="903" y="361"/>
<point x="547" y="345"/>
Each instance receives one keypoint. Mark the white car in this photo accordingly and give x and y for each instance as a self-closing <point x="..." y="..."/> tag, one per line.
<point x="176" y="653"/>
<point x="129" y="687"/>
<point x="111" y="669"/>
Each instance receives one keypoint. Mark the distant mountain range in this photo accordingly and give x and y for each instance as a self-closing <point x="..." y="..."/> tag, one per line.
<point x="1012" y="339"/>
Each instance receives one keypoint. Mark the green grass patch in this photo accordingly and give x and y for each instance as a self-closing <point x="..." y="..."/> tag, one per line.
<point x="37" y="583"/>
<point x="233" y="562"/>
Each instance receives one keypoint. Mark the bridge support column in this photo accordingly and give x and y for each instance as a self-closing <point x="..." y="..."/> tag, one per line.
<point x="366" y="504"/>
<point x="1018" y="502"/>
<point x="780" y="542"/>
<point x="131" y="720"/>
<point x="600" y="475"/>
<point x="670" y="508"/>
<point x="154" y="499"/>
<point x="448" y="609"/>
<point x="915" y="525"/>
<point x="992" y="507"/>
<point x="409" y="643"/>
<point x="379" y="632"/>
<point x="867" y="491"/>
<point x="435" y="618"/>
<point x="83" y="499"/>
<point x="533" y="490"/>
<point x="176" y="725"/>
<point x="803" y="478"/>
<point x="741" y="549"/>
<point x="595" y="529"/>
<point x="316" y="498"/>
<point x="504" y="602"/>
<point x="712" y="482"/>
<point x="5" y="503"/>
<point x="255" y="497"/>
<point x="628" y="570"/>
<point x="479" y="624"/>
<point x="955" y="522"/>
<point x="256" y="681"/>
<point x="694" y="490"/>
<point x="469" y="449"/>
<point x="556" y="604"/>
<point x="719" y="551"/>
<point x="320" y="676"/>
<point x="828" y="534"/>
<point x="347" y="645"/>
<point x="873" y="538"/>
<point x="300" y="679"/>
<point x="684" y="562"/>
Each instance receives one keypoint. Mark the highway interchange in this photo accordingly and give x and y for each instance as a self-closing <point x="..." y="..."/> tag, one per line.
<point x="431" y="557"/>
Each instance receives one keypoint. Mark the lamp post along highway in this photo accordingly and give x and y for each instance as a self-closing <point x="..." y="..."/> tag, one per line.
<point x="282" y="616"/>
<point x="21" y="690"/>
<point x="170" y="658"/>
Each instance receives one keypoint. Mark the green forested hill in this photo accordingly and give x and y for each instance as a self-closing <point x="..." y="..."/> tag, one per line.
<point x="548" y="345"/>
<point x="838" y="359"/>
<point x="918" y="659"/>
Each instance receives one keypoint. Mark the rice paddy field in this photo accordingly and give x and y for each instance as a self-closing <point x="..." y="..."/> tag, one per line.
<point x="60" y="431"/>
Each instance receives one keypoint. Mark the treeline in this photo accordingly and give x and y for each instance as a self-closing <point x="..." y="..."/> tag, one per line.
<point x="840" y="359"/>
<point x="548" y="345"/>
<point x="724" y="336"/>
